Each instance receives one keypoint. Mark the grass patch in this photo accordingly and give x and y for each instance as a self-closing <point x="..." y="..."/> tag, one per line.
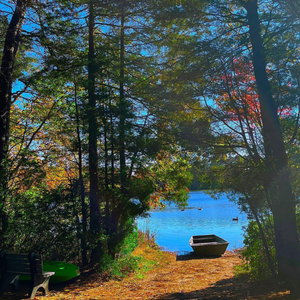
<point x="148" y="255"/>
<point x="149" y="258"/>
<point x="137" y="262"/>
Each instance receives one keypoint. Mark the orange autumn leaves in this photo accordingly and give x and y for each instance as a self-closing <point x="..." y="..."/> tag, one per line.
<point x="40" y="145"/>
<point x="238" y="97"/>
<point x="237" y="94"/>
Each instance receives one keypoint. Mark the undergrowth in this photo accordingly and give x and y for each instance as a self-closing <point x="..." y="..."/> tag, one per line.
<point x="139" y="254"/>
<point x="255" y="262"/>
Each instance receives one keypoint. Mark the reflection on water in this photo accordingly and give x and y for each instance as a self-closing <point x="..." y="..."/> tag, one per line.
<point x="173" y="227"/>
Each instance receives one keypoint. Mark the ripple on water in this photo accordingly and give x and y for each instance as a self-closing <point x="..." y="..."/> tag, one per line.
<point x="173" y="227"/>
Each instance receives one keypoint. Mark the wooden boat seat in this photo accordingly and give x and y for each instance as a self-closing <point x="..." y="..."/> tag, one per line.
<point x="204" y="240"/>
<point x="207" y="244"/>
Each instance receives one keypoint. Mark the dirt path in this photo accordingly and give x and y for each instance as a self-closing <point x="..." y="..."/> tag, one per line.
<point x="178" y="277"/>
<point x="176" y="280"/>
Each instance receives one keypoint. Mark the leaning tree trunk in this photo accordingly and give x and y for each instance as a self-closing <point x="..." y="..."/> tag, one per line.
<point x="286" y="238"/>
<point x="11" y="46"/>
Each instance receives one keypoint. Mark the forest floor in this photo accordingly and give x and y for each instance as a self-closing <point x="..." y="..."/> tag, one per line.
<point x="174" y="276"/>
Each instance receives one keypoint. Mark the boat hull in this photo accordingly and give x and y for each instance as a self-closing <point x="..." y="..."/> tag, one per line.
<point x="208" y="245"/>
<point x="63" y="271"/>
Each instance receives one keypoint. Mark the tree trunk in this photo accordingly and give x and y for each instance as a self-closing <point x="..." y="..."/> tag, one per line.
<point x="286" y="238"/>
<point x="117" y="208"/>
<point x="106" y="175"/>
<point x="11" y="46"/>
<point x="122" y="106"/>
<point x="110" y="206"/>
<point x="95" y="216"/>
<point x="82" y="190"/>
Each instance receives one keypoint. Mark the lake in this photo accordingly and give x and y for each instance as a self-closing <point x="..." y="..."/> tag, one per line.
<point x="173" y="227"/>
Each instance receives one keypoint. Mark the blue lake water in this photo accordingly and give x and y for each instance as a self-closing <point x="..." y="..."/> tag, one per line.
<point x="173" y="227"/>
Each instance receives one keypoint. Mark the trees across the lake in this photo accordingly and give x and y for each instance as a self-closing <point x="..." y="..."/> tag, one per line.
<point x="106" y="106"/>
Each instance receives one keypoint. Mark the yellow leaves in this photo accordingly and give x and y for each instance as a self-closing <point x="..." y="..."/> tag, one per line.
<point x="163" y="276"/>
<point x="56" y="176"/>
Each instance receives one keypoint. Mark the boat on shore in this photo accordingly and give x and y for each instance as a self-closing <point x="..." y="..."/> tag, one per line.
<point x="63" y="271"/>
<point x="208" y="245"/>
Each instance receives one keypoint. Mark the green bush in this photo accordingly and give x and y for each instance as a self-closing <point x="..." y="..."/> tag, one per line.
<point x="45" y="222"/>
<point x="122" y="266"/>
<point x="129" y="243"/>
<point x="254" y="255"/>
<point x="123" y="263"/>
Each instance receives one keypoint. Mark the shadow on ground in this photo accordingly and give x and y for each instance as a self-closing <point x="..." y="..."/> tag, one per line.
<point x="238" y="288"/>
<point x="186" y="255"/>
<point x="24" y="290"/>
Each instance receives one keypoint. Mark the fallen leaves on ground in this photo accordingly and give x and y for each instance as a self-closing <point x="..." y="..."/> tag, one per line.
<point x="174" y="277"/>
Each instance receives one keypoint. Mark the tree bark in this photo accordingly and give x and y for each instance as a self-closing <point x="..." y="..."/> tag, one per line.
<point x="283" y="207"/>
<point x="117" y="208"/>
<point x="81" y="184"/>
<point x="95" y="215"/>
<point x="122" y="106"/>
<point x="11" y="46"/>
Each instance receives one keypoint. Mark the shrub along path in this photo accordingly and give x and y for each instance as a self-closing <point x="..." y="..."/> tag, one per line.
<point x="173" y="277"/>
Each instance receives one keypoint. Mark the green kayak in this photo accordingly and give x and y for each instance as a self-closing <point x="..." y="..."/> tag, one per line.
<point x="63" y="271"/>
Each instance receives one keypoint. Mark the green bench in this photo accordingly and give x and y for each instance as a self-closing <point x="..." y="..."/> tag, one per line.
<point x="13" y="265"/>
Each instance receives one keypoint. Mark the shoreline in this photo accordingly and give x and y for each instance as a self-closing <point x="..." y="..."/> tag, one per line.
<point x="170" y="279"/>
